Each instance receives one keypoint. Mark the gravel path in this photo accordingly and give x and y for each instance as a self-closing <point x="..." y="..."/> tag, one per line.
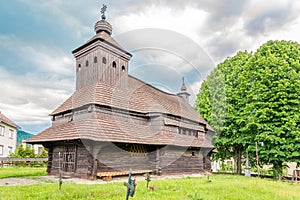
<point x="55" y="179"/>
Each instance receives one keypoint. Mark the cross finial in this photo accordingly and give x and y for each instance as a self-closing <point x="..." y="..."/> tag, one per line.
<point x="103" y="10"/>
<point x="183" y="87"/>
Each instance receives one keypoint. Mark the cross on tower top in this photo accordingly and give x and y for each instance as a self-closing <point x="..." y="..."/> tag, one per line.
<point x="103" y="10"/>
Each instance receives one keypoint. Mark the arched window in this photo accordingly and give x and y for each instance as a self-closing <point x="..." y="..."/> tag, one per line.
<point x="86" y="63"/>
<point x="79" y="67"/>
<point x="95" y="59"/>
<point x="114" y="64"/>
<point x="123" y="68"/>
<point x="104" y="60"/>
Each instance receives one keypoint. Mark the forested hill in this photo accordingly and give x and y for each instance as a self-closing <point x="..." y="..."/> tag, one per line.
<point x="22" y="135"/>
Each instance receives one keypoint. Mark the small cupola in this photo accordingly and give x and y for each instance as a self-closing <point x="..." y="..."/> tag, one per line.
<point x="103" y="25"/>
<point x="183" y="92"/>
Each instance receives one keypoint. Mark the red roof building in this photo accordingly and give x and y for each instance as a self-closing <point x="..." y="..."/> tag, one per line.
<point x="114" y="122"/>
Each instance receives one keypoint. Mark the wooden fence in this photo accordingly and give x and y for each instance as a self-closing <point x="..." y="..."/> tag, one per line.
<point x="11" y="161"/>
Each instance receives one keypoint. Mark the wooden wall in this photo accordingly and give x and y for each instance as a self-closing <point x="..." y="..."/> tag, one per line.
<point x="181" y="160"/>
<point x="94" y="157"/>
<point x="123" y="157"/>
<point x="91" y="72"/>
<point x="83" y="162"/>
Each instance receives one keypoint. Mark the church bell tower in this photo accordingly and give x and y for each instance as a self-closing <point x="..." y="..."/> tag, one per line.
<point x="101" y="58"/>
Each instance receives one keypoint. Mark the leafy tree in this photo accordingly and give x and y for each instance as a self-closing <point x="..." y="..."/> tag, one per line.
<point x="220" y="104"/>
<point x="43" y="154"/>
<point x="22" y="152"/>
<point x="261" y="93"/>
<point x="273" y="103"/>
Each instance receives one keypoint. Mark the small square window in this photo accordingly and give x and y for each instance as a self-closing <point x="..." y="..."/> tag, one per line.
<point x="10" y="150"/>
<point x="1" y="150"/>
<point x="10" y="134"/>
<point x="2" y="128"/>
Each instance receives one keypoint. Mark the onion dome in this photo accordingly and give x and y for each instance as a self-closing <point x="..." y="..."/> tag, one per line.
<point x="103" y="25"/>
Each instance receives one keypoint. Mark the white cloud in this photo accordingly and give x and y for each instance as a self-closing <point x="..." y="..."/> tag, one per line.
<point x="43" y="75"/>
<point x="30" y="98"/>
<point x="43" y="58"/>
<point x="31" y="93"/>
<point x="151" y="16"/>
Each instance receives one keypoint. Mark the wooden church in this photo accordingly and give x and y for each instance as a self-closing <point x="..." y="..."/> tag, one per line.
<point x="114" y="122"/>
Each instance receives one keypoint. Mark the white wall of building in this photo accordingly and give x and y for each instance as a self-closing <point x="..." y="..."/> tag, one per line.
<point x="8" y="139"/>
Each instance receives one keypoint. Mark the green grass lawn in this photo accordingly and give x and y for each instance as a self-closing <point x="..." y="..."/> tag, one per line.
<point x="221" y="187"/>
<point x="9" y="172"/>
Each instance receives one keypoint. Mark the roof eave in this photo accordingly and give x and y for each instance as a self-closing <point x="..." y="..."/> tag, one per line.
<point x="102" y="40"/>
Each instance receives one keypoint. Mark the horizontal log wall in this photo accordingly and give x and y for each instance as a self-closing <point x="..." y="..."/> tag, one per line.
<point x="95" y="157"/>
<point x="113" y="158"/>
<point x="176" y="160"/>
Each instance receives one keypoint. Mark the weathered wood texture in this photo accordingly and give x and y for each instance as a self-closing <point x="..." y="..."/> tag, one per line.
<point x="83" y="162"/>
<point x="176" y="160"/>
<point x="118" y="157"/>
<point x="90" y="67"/>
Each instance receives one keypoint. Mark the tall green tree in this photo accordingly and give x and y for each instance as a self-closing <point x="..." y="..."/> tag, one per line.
<point x="220" y="104"/>
<point x="260" y="97"/>
<point x="273" y="103"/>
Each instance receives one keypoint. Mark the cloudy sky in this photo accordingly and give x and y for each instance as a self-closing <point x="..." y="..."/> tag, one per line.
<point x="169" y="39"/>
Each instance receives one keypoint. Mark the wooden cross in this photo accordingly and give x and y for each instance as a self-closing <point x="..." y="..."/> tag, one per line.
<point x="128" y="185"/>
<point x="147" y="179"/>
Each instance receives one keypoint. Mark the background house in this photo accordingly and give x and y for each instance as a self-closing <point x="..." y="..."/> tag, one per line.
<point x="8" y="136"/>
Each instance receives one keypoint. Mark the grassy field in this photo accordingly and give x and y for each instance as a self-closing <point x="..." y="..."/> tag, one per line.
<point x="9" y="172"/>
<point x="220" y="187"/>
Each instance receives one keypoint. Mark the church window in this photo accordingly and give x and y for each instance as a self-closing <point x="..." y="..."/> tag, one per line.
<point x="95" y="59"/>
<point x="114" y="64"/>
<point x="123" y="68"/>
<point x="104" y="60"/>
<point x="86" y="63"/>
<point x="79" y="66"/>
<point x="138" y="150"/>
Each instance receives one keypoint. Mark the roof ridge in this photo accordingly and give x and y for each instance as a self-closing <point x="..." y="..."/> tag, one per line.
<point x="6" y="120"/>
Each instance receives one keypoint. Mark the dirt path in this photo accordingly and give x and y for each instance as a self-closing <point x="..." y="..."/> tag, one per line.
<point x="54" y="179"/>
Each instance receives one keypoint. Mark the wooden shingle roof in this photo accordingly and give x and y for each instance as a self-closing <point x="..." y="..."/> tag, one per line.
<point x="138" y="97"/>
<point x="113" y="131"/>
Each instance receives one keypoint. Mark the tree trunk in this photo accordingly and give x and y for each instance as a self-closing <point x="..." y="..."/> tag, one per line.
<point x="238" y="160"/>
